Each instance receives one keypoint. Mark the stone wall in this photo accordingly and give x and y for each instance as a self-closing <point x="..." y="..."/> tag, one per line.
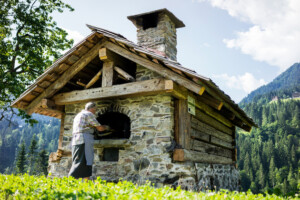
<point x="147" y="154"/>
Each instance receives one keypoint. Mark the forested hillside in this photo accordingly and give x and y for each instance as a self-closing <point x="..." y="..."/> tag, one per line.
<point x="45" y="132"/>
<point x="285" y="82"/>
<point x="268" y="156"/>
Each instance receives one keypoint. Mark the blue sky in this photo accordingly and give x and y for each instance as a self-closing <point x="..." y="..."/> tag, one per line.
<point x="239" y="44"/>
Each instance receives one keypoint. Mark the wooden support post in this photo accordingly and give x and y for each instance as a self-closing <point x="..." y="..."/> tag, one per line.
<point x="61" y="131"/>
<point x="184" y="124"/>
<point x="107" y="76"/>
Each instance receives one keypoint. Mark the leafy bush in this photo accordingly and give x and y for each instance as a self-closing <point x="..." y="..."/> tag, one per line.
<point x="33" y="187"/>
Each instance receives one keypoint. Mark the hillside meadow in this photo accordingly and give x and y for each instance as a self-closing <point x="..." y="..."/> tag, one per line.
<point x="41" y="187"/>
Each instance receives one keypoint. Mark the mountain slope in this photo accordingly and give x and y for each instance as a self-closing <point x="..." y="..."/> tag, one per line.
<point x="287" y="80"/>
<point x="268" y="156"/>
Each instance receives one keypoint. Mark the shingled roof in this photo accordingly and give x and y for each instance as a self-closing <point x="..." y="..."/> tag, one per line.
<point x="99" y="35"/>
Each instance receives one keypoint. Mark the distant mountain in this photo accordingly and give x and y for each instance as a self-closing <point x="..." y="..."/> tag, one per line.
<point x="288" y="80"/>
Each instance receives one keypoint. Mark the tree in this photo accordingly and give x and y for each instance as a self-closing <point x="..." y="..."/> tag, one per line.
<point x="272" y="174"/>
<point x="42" y="163"/>
<point x="21" y="159"/>
<point x="32" y="156"/>
<point x="29" y="42"/>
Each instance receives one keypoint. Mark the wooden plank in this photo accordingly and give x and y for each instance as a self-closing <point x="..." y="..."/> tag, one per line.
<point x="61" y="81"/>
<point x="148" y="87"/>
<point x="201" y="157"/>
<point x="38" y="89"/>
<point x="82" y="50"/>
<point x="157" y="68"/>
<point x="211" y="149"/>
<point x="200" y="115"/>
<point x="220" y="142"/>
<point x="124" y="74"/>
<point x="195" y="134"/>
<point x="44" y="84"/>
<point x="88" y="44"/>
<point x="94" y="79"/>
<point x="207" y="129"/>
<point x="108" y="74"/>
<point x="62" y="68"/>
<point x="72" y="59"/>
<point x="49" y="112"/>
<point x="61" y="131"/>
<point x="221" y="97"/>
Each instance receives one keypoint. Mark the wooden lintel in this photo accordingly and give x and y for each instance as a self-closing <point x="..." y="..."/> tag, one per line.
<point x="148" y="87"/>
<point x="65" y="77"/>
<point x="124" y="74"/>
<point x="198" y="89"/>
<point x="183" y="155"/>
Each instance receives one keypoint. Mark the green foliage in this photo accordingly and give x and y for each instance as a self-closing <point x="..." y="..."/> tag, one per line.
<point x="29" y="42"/>
<point x="30" y="187"/>
<point x="271" y="152"/>
<point x="45" y="133"/>
<point x="21" y="159"/>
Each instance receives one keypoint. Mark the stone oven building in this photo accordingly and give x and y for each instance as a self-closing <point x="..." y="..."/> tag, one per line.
<point x="173" y="126"/>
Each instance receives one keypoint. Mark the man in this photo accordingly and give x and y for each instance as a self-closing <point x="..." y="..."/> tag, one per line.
<point x="83" y="141"/>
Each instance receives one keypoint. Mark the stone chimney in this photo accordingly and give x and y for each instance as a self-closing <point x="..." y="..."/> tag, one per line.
<point x="157" y="30"/>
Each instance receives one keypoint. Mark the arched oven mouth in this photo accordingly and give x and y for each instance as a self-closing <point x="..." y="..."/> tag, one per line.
<point x="118" y="122"/>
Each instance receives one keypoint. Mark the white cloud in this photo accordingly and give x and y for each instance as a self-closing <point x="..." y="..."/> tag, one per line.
<point x="75" y="35"/>
<point x="275" y="34"/>
<point x="246" y="82"/>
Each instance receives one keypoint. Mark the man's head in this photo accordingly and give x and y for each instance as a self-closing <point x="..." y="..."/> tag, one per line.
<point x="91" y="106"/>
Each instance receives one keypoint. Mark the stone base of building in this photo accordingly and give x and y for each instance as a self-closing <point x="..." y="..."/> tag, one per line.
<point x="189" y="176"/>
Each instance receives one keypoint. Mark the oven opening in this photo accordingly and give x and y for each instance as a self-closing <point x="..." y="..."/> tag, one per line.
<point x="119" y="122"/>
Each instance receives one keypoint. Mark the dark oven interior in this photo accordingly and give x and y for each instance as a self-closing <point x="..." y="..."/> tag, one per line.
<point x="118" y="122"/>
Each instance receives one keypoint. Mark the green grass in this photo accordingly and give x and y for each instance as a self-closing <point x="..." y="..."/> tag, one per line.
<point x="31" y="187"/>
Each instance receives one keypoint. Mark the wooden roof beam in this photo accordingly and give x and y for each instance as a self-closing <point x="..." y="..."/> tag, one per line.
<point x="148" y="87"/>
<point x="65" y="77"/>
<point x="156" y="67"/>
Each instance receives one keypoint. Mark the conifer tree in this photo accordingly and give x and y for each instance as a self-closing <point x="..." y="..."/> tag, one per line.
<point x="32" y="156"/>
<point x="272" y="175"/>
<point x="21" y="159"/>
<point x="42" y="163"/>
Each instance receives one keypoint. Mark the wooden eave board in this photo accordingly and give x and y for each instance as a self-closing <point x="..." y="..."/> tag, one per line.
<point x="26" y="95"/>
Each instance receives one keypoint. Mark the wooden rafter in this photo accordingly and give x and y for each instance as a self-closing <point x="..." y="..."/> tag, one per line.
<point x="156" y="67"/>
<point x="65" y="77"/>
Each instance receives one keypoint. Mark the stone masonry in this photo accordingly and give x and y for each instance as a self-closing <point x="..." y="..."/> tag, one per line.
<point x="161" y="38"/>
<point x="146" y="155"/>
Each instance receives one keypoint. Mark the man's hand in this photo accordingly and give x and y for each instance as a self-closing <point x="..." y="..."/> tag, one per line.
<point x="103" y="128"/>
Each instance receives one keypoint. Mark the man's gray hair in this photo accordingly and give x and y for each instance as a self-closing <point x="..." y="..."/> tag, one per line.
<point x="90" y="105"/>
